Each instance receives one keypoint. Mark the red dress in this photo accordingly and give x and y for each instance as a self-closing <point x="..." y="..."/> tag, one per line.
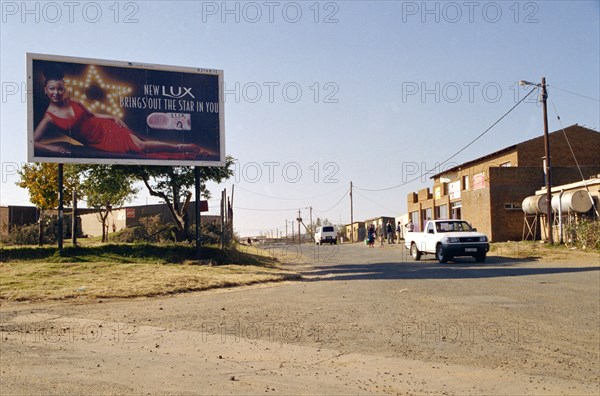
<point x="100" y="133"/>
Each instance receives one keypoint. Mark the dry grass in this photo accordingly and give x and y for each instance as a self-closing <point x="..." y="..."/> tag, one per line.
<point x="55" y="281"/>
<point x="125" y="271"/>
<point x="528" y="250"/>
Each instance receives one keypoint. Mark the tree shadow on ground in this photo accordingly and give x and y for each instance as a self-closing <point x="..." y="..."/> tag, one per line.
<point x="465" y="268"/>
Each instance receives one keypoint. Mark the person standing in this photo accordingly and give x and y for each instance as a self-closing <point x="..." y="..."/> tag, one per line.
<point x="410" y="226"/>
<point x="390" y="232"/>
<point x="398" y="232"/>
<point x="371" y="235"/>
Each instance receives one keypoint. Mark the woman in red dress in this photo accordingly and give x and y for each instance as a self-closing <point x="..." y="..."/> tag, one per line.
<point x="99" y="131"/>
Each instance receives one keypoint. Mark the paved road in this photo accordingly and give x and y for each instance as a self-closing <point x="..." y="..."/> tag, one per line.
<point x="363" y="321"/>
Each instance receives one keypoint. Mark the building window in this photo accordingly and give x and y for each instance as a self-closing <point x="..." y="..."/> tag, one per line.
<point x="457" y="210"/>
<point x="512" y="206"/>
<point x="441" y="212"/>
<point x="414" y="217"/>
<point x="426" y="215"/>
<point x="505" y="164"/>
<point x="465" y="182"/>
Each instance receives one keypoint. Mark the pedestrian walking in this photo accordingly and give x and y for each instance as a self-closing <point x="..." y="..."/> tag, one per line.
<point x="389" y="229"/>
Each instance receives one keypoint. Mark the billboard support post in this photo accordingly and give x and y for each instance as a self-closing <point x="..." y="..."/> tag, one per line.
<point x="74" y="218"/>
<point x="60" y="209"/>
<point x="198" y="215"/>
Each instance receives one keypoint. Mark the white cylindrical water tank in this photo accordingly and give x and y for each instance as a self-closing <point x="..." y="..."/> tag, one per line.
<point x="575" y="201"/>
<point x="535" y="204"/>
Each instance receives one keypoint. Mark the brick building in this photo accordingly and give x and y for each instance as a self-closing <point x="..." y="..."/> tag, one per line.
<point x="488" y="191"/>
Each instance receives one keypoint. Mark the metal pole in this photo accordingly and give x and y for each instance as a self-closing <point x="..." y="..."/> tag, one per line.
<point x="74" y="219"/>
<point x="351" y="216"/>
<point x="548" y="166"/>
<point x="299" y="221"/>
<point x="312" y="231"/>
<point x="198" y="215"/>
<point x="60" y="208"/>
<point x="223" y="203"/>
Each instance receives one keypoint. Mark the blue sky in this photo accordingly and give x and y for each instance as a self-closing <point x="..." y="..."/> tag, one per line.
<point x="362" y="91"/>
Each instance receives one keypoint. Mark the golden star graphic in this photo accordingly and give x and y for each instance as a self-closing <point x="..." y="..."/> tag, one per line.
<point x="97" y="93"/>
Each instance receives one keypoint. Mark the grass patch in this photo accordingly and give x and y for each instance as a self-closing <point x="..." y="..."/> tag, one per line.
<point x="124" y="271"/>
<point x="536" y="250"/>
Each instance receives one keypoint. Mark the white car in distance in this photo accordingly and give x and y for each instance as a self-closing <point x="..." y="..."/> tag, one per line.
<point x="326" y="234"/>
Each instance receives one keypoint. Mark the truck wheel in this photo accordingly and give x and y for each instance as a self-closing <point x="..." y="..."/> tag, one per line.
<point x="440" y="255"/>
<point x="480" y="258"/>
<point x="414" y="252"/>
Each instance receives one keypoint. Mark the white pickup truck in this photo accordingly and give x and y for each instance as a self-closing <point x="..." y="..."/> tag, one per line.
<point x="447" y="239"/>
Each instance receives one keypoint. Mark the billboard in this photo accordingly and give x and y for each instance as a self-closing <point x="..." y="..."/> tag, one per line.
<point x="107" y="112"/>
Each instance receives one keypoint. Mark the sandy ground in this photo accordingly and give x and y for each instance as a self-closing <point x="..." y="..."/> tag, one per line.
<point x="364" y="321"/>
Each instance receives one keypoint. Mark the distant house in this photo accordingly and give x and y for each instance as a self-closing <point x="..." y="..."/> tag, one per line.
<point x="132" y="216"/>
<point x="16" y="215"/>
<point x="12" y="215"/>
<point x="356" y="229"/>
<point x="380" y="223"/>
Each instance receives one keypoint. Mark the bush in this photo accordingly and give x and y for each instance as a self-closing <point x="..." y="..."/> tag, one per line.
<point x="29" y="234"/>
<point x="584" y="234"/>
<point x="153" y="229"/>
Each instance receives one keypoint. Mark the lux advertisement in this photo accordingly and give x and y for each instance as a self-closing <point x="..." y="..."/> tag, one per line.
<point x="106" y="112"/>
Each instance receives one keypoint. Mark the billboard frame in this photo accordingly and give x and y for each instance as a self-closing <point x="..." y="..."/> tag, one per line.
<point x="31" y="157"/>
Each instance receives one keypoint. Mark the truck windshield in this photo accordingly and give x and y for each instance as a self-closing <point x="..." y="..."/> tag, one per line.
<point x="452" y="226"/>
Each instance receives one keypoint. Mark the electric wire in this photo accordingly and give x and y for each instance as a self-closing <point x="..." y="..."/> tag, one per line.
<point x="376" y="203"/>
<point x="291" y="199"/>
<point x="294" y="209"/>
<point x="574" y="93"/>
<point x="333" y="207"/>
<point x="459" y="151"/>
<point x="265" y="210"/>
<point x="575" y="158"/>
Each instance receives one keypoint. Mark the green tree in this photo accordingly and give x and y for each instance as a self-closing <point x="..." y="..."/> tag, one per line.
<point x="41" y="181"/>
<point x="174" y="185"/>
<point x="106" y="187"/>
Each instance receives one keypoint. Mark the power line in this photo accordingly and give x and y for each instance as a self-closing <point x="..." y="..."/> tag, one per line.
<point x="459" y="151"/>
<point x="265" y="210"/>
<point x="575" y="93"/>
<point x="291" y="199"/>
<point x="376" y="203"/>
<point x="574" y="158"/>
<point x="336" y="204"/>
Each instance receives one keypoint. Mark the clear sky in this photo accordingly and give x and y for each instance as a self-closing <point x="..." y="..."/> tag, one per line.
<point x="319" y="94"/>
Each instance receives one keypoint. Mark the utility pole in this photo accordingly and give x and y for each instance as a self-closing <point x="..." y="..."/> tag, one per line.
<point x="286" y="234"/>
<point x="547" y="169"/>
<point x="299" y="219"/>
<point x="312" y="231"/>
<point x="351" y="216"/>
<point x="547" y="165"/>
